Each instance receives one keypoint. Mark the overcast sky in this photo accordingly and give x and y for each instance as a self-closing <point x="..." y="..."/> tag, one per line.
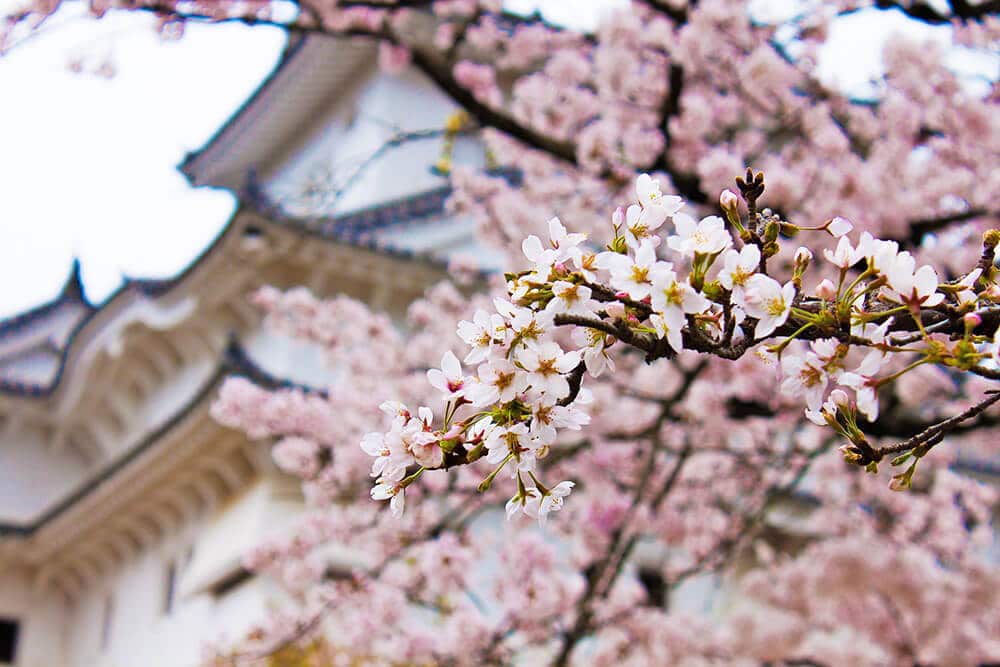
<point x="88" y="163"/>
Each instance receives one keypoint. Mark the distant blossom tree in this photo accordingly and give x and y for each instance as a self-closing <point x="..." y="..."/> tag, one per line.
<point x="663" y="366"/>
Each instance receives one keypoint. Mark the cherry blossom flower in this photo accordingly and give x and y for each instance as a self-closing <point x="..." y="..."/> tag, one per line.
<point x="563" y="243"/>
<point x="514" y="440"/>
<point x="804" y="376"/>
<point x="826" y="290"/>
<point x="449" y="380"/>
<point x="595" y="355"/>
<point x="864" y="384"/>
<point x="914" y="288"/>
<point x="374" y="444"/>
<point x="529" y="326"/>
<point x="547" y="365"/>
<point x="539" y="505"/>
<point x="647" y="190"/>
<point x="547" y="416"/>
<point x="707" y="237"/>
<point x="537" y="254"/>
<point x="388" y="487"/>
<point x="835" y="401"/>
<point x="628" y="274"/>
<point x="571" y="298"/>
<point x="483" y="334"/>
<point x="765" y="299"/>
<point x="498" y="380"/>
<point x="669" y="325"/>
<point x="838" y="227"/>
<point x="966" y="295"/>
<point x="671" y="295"/>
<point x="845" y="256"/>
<point x="738" y="266"/>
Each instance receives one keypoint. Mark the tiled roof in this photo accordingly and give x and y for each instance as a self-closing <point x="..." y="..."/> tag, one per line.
<point x="369" y="227"/>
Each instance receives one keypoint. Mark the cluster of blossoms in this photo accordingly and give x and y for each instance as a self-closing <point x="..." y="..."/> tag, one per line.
<point x="696" y="291"/>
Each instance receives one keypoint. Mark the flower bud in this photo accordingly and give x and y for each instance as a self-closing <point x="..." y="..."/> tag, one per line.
<point x="971" y="321"/>
<point x="729" y="201"/>
<point x="840" y="398"/>
<point x="838" y="227"/>
<point x="618" y="217"/>
<point x="826" y="290"/>
<point x="615" y="309"/>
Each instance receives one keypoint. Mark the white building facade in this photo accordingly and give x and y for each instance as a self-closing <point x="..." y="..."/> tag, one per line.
<point x="125" y="510"/>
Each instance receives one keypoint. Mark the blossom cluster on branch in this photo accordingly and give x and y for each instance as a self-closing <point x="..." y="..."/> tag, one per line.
<point x="711" y="298"/>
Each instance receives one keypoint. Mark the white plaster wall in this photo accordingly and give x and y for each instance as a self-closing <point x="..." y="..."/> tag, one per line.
<point x="38" y="644"/>
<point x="141" y="630"/>
<point x="357" y="125"/>
<point x="33" y="474"/>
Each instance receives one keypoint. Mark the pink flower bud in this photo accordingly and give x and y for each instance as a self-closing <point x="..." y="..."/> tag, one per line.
<point x="728" y="200"/>
<point x="971" y="321"/>
<point x="838" y="227"/>
<point x="826" y="290"/>
<point x="615" y="309"/>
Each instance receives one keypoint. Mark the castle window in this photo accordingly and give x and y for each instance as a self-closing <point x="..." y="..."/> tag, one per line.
<point x="109" y="610"/>
<point x="170" y="587"/>
<point x="9" y="630"/>
<point x="655" y="585"/>
<point x="231" y="582"/>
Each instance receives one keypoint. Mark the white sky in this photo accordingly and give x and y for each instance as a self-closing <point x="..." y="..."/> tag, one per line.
<point x="88" y="164"/>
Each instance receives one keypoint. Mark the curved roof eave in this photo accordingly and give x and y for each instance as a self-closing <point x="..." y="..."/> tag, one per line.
<point x="129" y="292"/>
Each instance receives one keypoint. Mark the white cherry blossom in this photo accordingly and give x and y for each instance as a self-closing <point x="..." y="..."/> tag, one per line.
<point x="916" y="288"/>
<point x="669" y="294"/>
<point x="738" y="266"/>
<point x="387" y="487"/>
<point x="483" y="334"/>
<point x="669" y="325"/>
<point x="864" y="383"/>
<point x="707" y="237"/>
<point x="845" y="256"/>
<point x="563" y="242"/>
<point x="647" y="190"/>
<point x="839" y="227"/>
<point x="641" y="225"/>
<point x="547" y="366"/>
<point x="594" y="345"/>
<point x="630" y="275"/>
<point x="498" y="381"/>
<point x="767" y="300"/>
<point x="539" y="505"/>
<point x="449" y="380"/>
<point x="571" y="298"/>
<point x="804" y="376"/>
